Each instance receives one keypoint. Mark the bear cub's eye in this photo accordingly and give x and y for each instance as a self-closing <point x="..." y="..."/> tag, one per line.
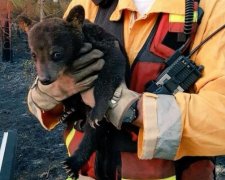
<point x="57" y="56"/>
<point x="33" y="55"/>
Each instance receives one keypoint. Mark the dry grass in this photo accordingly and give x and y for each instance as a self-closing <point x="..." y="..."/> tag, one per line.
<point x="31" y="8"/>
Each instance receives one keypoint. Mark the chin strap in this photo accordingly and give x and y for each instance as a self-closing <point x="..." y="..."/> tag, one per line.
<point x="102" y="3"/>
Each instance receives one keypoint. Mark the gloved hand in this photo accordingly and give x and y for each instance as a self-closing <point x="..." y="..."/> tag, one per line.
<point x="69" y="83"/>
<point x="122" y="107"/>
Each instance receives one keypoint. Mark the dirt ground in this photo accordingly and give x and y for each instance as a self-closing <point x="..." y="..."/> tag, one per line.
<point x="39" y="152"/>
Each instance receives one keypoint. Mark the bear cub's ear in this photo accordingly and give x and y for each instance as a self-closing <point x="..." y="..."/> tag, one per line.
<point x="76" y="16"/>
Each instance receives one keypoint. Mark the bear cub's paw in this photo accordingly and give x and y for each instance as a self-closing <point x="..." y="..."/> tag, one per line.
<point x="93" y="119"/>
<point x="71" y="167"/>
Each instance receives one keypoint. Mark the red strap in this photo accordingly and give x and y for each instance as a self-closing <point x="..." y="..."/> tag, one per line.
<point x="157" y="47"/>
<point x="144" y="72"/>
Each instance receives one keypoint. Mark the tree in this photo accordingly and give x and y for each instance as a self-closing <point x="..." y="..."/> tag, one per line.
<point x="5" y="19"/>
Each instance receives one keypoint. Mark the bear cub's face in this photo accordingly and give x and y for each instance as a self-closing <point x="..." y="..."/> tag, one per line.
<point x="55" y="43"/>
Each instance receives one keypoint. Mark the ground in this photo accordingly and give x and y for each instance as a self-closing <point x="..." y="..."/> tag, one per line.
<point x="39" y="152"/>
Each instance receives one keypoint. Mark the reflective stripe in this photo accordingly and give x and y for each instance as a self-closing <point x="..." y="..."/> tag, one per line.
<point x="147" y="141"/>
<point x="169" y="178"/>
<point x="69" y="139"/>
<point x="69" y="178"/>
<point x="180" y="18"/>
<point x="161" y="133"/>
<point x="170" y="127"/>
<point x="3" y="147"/>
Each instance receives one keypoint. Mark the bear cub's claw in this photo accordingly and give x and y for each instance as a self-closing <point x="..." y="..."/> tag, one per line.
<point x="70" y="168"/>
<point x="94" y="123"/>
<point x="66" y="114"/>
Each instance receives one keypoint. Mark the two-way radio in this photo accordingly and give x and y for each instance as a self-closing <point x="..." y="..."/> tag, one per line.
<point x="181" y="71"/>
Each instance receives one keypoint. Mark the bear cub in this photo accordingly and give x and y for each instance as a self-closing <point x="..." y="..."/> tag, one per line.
<point x="55" y="44"/>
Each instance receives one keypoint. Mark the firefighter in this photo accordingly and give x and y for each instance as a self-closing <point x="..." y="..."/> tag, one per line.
<point x="168" y="129"/>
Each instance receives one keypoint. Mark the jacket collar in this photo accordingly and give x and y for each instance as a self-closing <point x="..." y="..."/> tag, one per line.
<point x="165" y="6"/>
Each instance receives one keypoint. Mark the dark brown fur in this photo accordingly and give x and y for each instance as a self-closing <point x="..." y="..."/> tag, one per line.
<point x="55" y="44"/>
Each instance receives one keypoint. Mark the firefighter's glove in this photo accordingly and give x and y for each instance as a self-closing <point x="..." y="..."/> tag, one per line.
<point x="123" y="106"/>
<point x="83" y="74"/>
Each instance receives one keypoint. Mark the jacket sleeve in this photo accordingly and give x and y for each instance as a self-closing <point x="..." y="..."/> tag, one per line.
<point x="48" y="118"/>
<point x="191" y="124"/>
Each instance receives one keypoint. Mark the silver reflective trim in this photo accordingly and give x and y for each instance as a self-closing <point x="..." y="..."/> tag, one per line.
<point x="164" y="78"/>
<point x="3" y="147"/>
<point x="169" y="124"/>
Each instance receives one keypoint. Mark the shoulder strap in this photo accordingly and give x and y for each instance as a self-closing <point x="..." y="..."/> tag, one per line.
<point x="102" y="3"/>
<point x="103" y="16"/>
